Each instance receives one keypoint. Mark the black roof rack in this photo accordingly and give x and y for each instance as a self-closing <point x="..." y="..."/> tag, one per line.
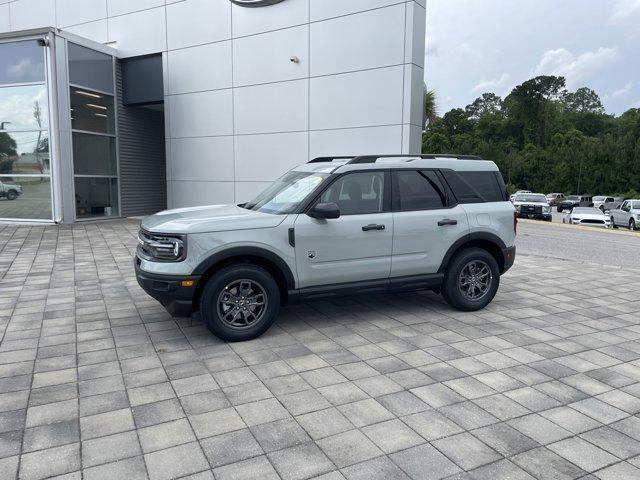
<point x="329" y="159"/>
<point x="374" y="158"/>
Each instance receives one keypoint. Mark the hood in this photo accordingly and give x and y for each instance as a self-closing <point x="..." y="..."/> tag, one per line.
<point x="537" y="204"/>
<point x="590" y="216"/>
<point x="211" y="218"/>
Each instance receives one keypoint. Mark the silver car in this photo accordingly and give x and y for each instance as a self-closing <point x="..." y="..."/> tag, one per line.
<point x="628" y="215"/>
<point x="588" y="216"/>
<point x="334" y="227"/>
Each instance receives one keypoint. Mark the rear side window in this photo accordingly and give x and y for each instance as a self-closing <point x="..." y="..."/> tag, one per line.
<point x="417" y="191"/>
<point x="476" y="187"/>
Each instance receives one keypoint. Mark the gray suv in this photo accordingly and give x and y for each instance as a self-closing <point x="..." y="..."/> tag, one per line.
<point x="332" y="227"/>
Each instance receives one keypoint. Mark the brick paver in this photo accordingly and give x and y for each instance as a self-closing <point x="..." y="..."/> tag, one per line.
<point x="96" y="379"/>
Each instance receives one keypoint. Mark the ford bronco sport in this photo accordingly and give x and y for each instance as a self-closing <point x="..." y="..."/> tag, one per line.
<point x="334" y="226"/>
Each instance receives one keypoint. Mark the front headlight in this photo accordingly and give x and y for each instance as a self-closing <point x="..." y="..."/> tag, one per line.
<point x="518" y="208"/>
<point x="546" y="209"/>
<point x="162" y="248"/>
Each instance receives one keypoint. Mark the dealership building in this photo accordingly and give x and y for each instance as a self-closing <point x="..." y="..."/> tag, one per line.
<point x="116" y="108"/>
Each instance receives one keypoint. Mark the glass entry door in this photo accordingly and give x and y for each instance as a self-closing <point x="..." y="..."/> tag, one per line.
<point x="93" y="125"/>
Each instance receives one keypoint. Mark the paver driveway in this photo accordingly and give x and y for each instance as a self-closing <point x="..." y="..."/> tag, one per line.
<point x="96" y="380"/>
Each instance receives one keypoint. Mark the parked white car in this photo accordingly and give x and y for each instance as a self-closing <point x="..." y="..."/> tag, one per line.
<point x="588" y="216"/>
<point x="628" y="215"/>
<point x="329" y="228"/>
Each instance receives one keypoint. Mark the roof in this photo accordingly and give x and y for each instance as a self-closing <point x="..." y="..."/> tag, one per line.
<point x="340" y="164"/>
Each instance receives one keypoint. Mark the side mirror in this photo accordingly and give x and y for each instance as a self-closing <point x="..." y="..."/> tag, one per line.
<point x="325" y="211"/>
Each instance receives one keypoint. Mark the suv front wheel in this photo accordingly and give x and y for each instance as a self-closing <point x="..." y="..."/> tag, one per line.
<point x="471" y="280"/>
<point x="240" y="302"/>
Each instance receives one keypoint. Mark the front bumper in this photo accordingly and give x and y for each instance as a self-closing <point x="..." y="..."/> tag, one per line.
<point x="175" y="292"/>
<point x="509" y="255"/>
<point x="536" y="216"/>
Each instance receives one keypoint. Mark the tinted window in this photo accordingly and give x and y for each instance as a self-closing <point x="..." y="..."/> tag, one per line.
<point x="91" y="69"/>
<point x="475" y="187"/>
<point x="91" y="111"/>
<point x="22" y="62"/>
<point x="418" y="191"/>
<point x="357" y="193"/>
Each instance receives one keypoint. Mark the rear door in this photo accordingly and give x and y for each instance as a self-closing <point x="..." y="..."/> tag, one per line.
<point x="425" y="222"/>
<point x="355" y="247"/>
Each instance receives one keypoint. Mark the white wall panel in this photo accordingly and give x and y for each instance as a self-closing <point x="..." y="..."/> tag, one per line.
<point x="201" y="114"/>
<point x="249" y="21"/>
<point x="267" y="57"/>
<point x="356" y="141"/>
<point x="202" y="159"/>
<point x="96" y="31"/>
<point x="276" y="107"/>
<point x="27" y="14"/>
<point x="139" y="33"/>
<point x="247" y="191"/>
<point x="190" y="194"/>
<point x="195" y="22"/>
<point x="120" y="7"/>
<point x="268" y="157"/>
<point x="322" y="9"/>
<point x="5" y="25"/>
<point x="413" y="95"/>
<point x="213" y="70"/>
<point x="73" y="12"/>
<point x="369" y="98"/>
<point x="355" y="42"/>
<point x="416" y="24"/>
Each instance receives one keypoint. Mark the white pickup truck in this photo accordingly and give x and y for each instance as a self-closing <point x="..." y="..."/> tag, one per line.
<point x="10" y="191"/>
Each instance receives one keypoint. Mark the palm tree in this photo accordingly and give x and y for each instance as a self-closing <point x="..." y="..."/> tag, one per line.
<point x="430" y="107"/>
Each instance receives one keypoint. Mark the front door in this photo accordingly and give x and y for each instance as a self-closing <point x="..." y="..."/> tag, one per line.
<point x="355" y="247"/>
<point x="424" y="227"/>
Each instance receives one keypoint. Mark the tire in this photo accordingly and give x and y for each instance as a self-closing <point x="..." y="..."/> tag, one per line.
<point x="632" y="224"/>
<point x="559" y="209"/>
<point x="452" y="288"/>
<point x="234" y="278"/>
<point x="613" y="223"/>
<point x="12" y="195"/>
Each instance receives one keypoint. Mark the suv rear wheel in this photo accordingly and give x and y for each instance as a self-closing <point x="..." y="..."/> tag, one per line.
<point x="240" y="302"/>
<point x="12" y="195"/>
<point x="632" y="224"/>
<point x="471" y="280"/>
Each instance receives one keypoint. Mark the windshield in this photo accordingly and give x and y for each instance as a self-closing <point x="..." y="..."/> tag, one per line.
<point x="590" y="210"/>
<point x="599" y="199"/>
<point x="285" y="194"/>
<point x="531" y="198"/>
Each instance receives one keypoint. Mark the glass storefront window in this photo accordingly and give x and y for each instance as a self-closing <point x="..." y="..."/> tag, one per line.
<point x="25" y="197"/>
<point x="92" y="112"/>
<point x="94" y="155"/>
<point x="96" y="197"/>
<point x="24" y="153"/>
<point x="23" y="107"/>
<point x="22" y="62"/>
<point x="90" y="69"/>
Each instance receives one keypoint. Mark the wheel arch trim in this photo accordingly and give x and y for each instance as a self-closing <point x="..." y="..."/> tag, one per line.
<point x="484" y="237"/>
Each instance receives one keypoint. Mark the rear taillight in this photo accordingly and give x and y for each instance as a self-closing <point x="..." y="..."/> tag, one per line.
<point x="515" y="222"/>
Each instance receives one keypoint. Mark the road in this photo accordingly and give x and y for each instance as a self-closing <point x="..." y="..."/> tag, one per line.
<point x="608" y="247"/>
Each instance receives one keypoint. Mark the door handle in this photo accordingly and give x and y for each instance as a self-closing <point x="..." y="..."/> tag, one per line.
<point x="372" y="226"/>
<point x="447" y="221"/>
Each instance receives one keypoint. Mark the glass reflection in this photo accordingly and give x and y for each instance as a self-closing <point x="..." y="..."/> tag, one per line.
<point x="25" y="153"/>
<point x="94" y="155"/>
<point x="92" y="112"/>
<point x="96" y="197"/>
<point x="25" y="198"/>
<point x="22" y="62"/>
<point x="90" y="69"/>
<point x="23" y="108"/>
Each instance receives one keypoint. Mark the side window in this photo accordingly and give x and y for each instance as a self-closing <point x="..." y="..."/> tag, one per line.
<point x="475" y="187"/>
<point x="417" y="191"/>
<point x="625" y="207"/>
<point x="357" y="193"/>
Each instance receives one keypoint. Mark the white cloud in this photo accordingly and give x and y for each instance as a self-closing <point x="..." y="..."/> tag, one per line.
<point x="625" y="12"/>
<point x="561" y="62"/>
<point x="621" y="92"/>
<point x="501" y="83"/>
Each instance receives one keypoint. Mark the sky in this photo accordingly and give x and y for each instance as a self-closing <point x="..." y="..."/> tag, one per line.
<point x="477" y="46"/>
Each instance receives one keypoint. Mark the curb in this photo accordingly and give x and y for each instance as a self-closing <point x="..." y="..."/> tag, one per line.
<point x="580" y="227"/>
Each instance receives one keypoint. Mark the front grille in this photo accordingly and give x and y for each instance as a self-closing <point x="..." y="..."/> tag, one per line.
<point x="597" y="222"/>
<point x="531" y="209"/>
